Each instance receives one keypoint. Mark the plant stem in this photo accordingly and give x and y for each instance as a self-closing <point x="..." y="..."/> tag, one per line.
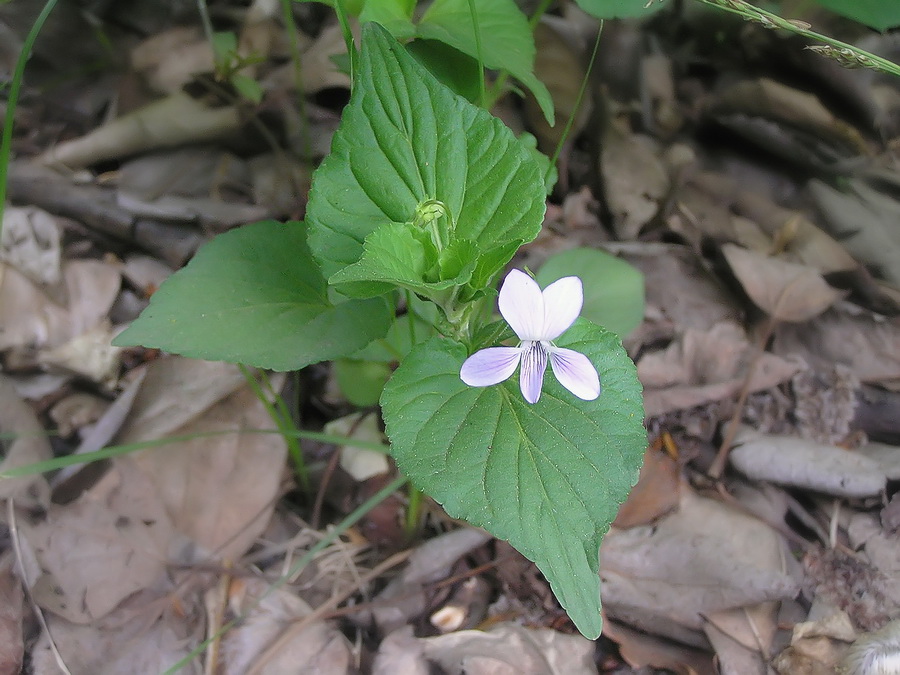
<point x="203" y="10"/>
<point x="845" y="54"/>
<point x="576" y="107"/>
<point x="477" y="30"/>
<point x="348" y="38"/>
<point x="291" y="27"/>
<point x="13" y="99"/>
<point x="413" y="512"/>
<point x="538" y="13"/>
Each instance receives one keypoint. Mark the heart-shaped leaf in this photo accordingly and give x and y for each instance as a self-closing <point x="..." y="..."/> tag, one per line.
<point x="548" y="477"/>
<point x="254" y="295"/>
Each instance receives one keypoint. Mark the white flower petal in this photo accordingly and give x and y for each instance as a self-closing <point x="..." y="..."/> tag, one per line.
<point x="562" y="305"/>
<point x="522" y="305"/>
<point x="490" y="366"/>
<point x="575" y="372"/>
<point x="531" y="376"/>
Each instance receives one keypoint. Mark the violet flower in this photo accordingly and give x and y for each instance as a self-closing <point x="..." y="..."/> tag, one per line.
<point x="537" y="317"/>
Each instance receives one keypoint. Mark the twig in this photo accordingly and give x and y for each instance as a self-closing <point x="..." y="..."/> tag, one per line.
<point x="298" y="627"/>
<point x="14" y="537"/>
<point x="718" y="465"/>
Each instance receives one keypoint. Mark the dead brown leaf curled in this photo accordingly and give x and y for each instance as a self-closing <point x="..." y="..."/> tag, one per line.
<point x="784" y="290"/>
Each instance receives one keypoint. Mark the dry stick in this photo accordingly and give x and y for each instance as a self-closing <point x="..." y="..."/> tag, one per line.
<point x="323" y="609"/>
<point x="330" y="468"/>
<point x="718" y="465"/>
<point x="443" y="583"/>
<point x="217" y="618"/>
<point x="14" y="537"/>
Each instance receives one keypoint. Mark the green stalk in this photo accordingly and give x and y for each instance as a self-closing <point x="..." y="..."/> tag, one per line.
<point x="348" y="38"/>
<point x="291" y="27"/>
<point x="845" y="54"/>
<point x="477" y="30"/>
<point x="13" y="100"/>
<point x="571" y="120"/>
<point x="117" y="450"/>
<point x="282" y="419"/>
<point x="413" y="512"/>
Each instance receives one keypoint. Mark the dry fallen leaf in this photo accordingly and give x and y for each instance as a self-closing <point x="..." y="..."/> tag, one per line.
<point x="133" y="639"/>
<point x="360" y="463"/>
<point x="168" y="122"/>
<point x="707" y="365"/>
<point x="12" y="618"/>
<point x="639" y="650"/>
<point x="177" y="390"/>
<point x="170" y="59"/>
<point x="865" y="221"/>
<point x="635" y="180"/>
<point x="256" y="644"/>
<point x="220" y="489"/>
<point x="98" y="550"/>
<point x="28" y="445"/>
<point x="30" y="241"/>
<point x="405" y="596"/>
<point x="784" y="290"/>
<point x="705" y="558"/>
<point x="655" y="494"/>
<point x="867" y="343"/>
<point x="30" y="317"/>
<point x="787" y="460"/>
<point x="505" y="649"/>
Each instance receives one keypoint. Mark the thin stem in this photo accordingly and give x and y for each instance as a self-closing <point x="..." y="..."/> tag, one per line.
<point x="575" y="108"/>
<point x="13" y="99"/>
<point x="206" y="21"/>
<point x="413" y="512"/>
<point x="283" y="421"/>
<point x="117" y="450"/>
<point x="538" y="13"/>
<point x="718" y="466"/>
<point x="355" y="516"/>
<point x="412" y="319"/>
<point x="348" y="37"/>
<point x="291" y="27"/>
<point x="478" y="51"/>
<point x="846" y="54"/>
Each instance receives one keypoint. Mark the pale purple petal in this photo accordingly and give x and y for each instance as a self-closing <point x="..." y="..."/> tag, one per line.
<point x="531" y="376"/>
<point x="562" y="305"/>
<point x="575" y="372"/>
<point x="490" y="366"/>
<point x="522" y="305"/>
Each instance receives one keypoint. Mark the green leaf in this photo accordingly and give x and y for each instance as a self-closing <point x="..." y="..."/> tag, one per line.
<point x="361" y="382"/>
<point x="877" y="14"/>
<point x="398" y="341"/>
<point x="457" y="70"/>
<point x="405" y="139"/>
<point x="549" y="477"/>
<point x="395" y="15"/>
<point x="224" y="46"/>
<point x="620" y="9"/>
<point x="507" y="42"/>
<point x="530" y="142"/>
<point x="403" y="255"/>
<point x="247" y="87"/>
<point x="254" y="295"/>
<point x="613" y="289"/>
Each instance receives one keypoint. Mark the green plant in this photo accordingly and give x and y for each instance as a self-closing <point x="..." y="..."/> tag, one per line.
<point x="422" y="202"/>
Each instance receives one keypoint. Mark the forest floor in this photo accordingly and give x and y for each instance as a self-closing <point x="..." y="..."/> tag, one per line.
<point x="755" y="184"/>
